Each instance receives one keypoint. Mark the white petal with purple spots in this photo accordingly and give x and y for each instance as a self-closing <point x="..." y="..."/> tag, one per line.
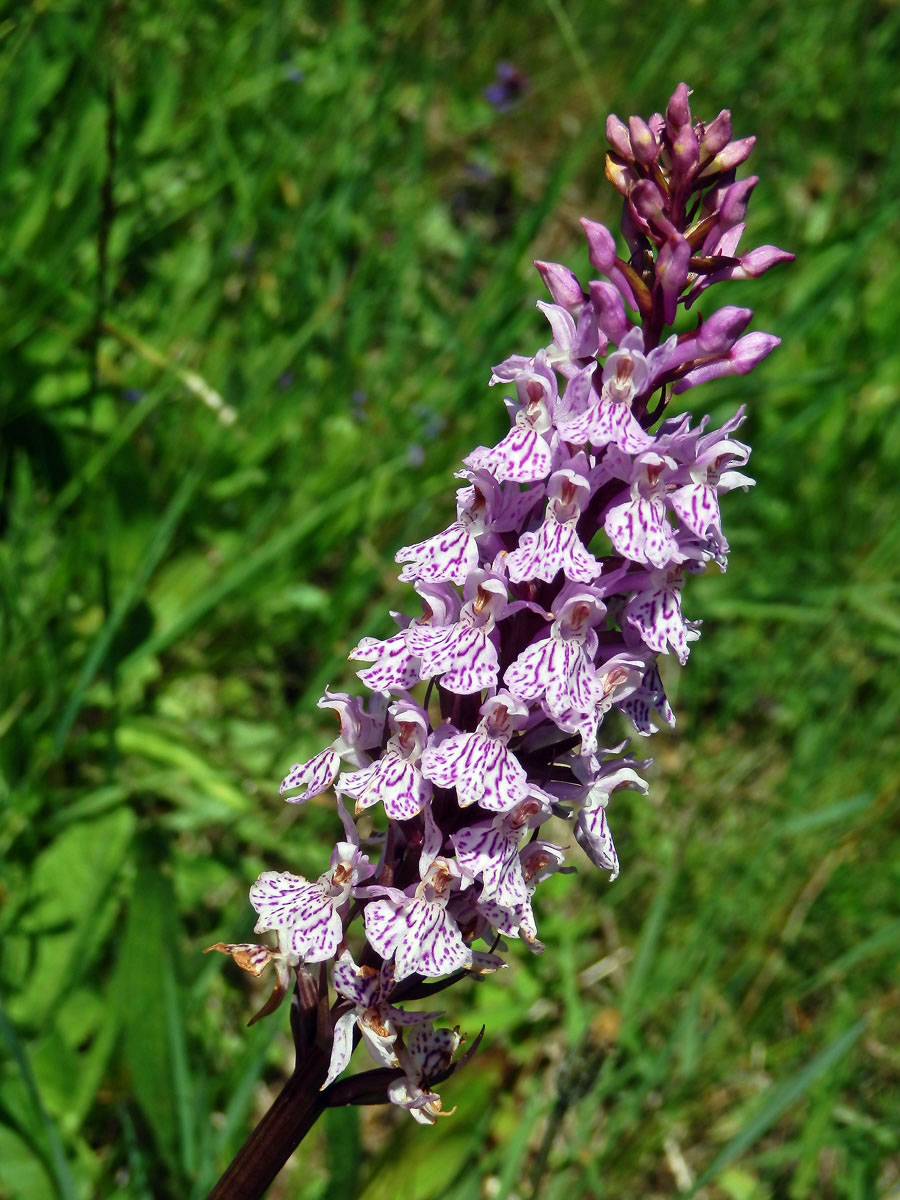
<point x="315" y="776"/>
<point x="592" y="834"/>
<point x="481" y="769"/>
<point x="523" y="456"/>
<point x="552" y="548"/>
<point x="657" y="617"/>
<point x="465" y="657"/>
<point x="448" y="556"/>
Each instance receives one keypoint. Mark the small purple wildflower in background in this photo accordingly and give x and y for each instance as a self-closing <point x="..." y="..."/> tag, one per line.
<point x="508" y="88"/>
<point x="540" y="609"/>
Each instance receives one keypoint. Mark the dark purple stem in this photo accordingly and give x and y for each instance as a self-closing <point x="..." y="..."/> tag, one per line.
<point x="296" y="1109"/>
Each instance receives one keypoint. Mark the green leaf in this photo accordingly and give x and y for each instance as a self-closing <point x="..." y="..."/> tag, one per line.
<point x="152" y="1022"/>
<point x="70" y="906"/>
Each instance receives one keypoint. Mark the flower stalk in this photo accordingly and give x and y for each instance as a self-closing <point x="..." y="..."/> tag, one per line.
<point x="543" y="610"/>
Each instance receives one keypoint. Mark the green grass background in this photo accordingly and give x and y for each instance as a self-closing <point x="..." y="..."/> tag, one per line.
<point x="257" y="260"/>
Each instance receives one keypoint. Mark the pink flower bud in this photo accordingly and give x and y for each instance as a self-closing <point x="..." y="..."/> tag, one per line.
<point x="646" y="147"/>
<point x="562" y="285"/>
<point x="730" y="157"/>
<point x="678" y="110"/>
<point x="717" y="134"/>
<point x="617" y="136"/>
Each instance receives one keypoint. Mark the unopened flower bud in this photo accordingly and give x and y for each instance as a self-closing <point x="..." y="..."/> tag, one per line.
<point x="717" y="135"/>
<point x="646" y="147"/>
<point x="617" y="136"/>
<point x="562" y="286"/>
<point x="678" y="110"/>
<point x="730" y="157"/>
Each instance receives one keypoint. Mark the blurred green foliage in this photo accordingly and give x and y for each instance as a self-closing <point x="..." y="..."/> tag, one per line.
<point x="257" y="261"/>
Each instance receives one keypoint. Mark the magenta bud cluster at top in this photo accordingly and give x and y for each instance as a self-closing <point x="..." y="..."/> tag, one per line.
<point x="541" y="608"/>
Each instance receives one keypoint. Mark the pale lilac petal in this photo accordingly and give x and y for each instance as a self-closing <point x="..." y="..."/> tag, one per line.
<point x="385" y="926"/>
<point x="523" y="457"/>
<point x="639" y="531"/>
<point x="644" y="701"/>
<point x="552" y="548"/>
<point x="448" y="556"/>
<point x="341" y="1047"/>
<point x="572" y="686"/>
<point x="527" y="677"/>
<point x="481" y="769"/>
<point x="396" y="667"/>
<point x="465" y="657"/>
<point x="698" y="507"/>
<point x="616" y="423"/>
<point x="656" y="615"/>
<point x="277" y="897"/>
<point x="393" y="780"/>
<point x="432" y="945"/>
<point x="592" y="834"/>
<point x="316" y="775"/>
<point x="317" y="929"/>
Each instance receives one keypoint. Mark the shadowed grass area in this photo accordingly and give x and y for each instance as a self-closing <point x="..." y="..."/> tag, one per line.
<point x="257" y="262"/>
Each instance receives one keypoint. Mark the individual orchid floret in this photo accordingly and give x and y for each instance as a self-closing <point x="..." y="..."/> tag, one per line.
<point x="372" y="1014"/>
<point x="525" y="454"/>
<point x="361" y="731"/>
<point x="426" y="1055"/>
<point x="638" y="528"/>
<point x="655" y="613"/>
<point x="396" y="778"/>
<point x="488" y="851"/>
<point x="556" y="546"/>
<point x="712" y="475"/>
<point x="537" y="861"/>
<point x="415" y="930"/>
<point x="396" y="668"/>
<point x="463" y="655"/>
<point x="627" y="374"/>
<point x="479" y="764"/>
<point x="559" y="669"/>
<point x="310" y="914"/>
<point x="451" y="555"/>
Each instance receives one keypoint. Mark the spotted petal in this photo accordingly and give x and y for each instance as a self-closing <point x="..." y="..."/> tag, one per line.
<point x="523" y="456"/>
<point x="465" y="657"/>
<point x="448" y="556"/>
<point x="481" y="769"/>
<point x="315" y="776"/>
<point x="552" y="548"/>
<point x="638" y="529"/>
<point x="592" y="834"/>
<point x="393" y="780"/>
<point x="656" y="615"/>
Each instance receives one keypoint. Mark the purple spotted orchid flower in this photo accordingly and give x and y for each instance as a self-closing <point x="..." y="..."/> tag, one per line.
<point x="544" y="609"/>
